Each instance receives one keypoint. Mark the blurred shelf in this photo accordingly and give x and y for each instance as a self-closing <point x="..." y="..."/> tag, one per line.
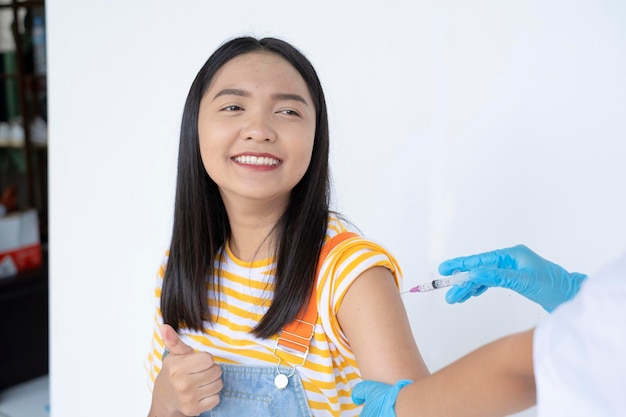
<point x="23" y="91"/>
<point x="9" y="145"/>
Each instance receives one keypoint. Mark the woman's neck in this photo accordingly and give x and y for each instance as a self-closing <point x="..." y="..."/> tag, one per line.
<point x="252" y="243"/>
<point x="253" y="231"/>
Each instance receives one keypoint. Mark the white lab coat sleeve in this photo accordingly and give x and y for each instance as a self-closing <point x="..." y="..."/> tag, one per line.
<point x="580" y="350"/>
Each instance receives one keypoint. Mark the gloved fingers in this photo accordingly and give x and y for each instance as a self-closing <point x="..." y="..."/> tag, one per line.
<point x="450" y="266"/>
<point x="365" y="389"/>
<point x="358" y="394"/>
<point x="483" y="278"/>
<point x="379" y="398"/>
<point x="500" y="258"/>
<point x="461" y="293"/>
<point x="492" y="277"/>
<point x="480" y="290"/>
<point x="480" y="280"/>
<point x="457" y="294"/>
<point x="506" y="258"/>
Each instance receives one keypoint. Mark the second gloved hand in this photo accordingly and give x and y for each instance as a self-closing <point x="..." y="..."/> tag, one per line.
<point x="517" y="268"/>
<point x="379" y="398"/>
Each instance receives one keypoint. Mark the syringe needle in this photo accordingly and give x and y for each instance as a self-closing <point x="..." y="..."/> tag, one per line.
<point x="446" y="281"/>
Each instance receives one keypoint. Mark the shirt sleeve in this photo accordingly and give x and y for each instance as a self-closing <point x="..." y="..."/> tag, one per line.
<point x="343" y="265"/>
<point x="155" y="356"/>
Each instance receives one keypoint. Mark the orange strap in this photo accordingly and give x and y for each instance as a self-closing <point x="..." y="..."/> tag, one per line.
<point x="298" y="334"/>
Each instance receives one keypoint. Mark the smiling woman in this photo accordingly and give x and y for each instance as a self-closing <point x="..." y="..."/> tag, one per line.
<point x="267" y="302"/>
<point x="254" y="100"/>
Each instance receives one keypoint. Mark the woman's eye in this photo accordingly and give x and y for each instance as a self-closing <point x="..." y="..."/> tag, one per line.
<point x="290" y="112"/>
<point x="232" y="107"/>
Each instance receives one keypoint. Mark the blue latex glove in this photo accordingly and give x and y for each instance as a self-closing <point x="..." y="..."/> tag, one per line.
<point x="379" y="398"/>
<point x="517" y="268"/>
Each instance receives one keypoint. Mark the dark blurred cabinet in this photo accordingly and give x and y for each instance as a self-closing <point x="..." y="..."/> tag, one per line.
<point x="24" y="324"/>
<point x="24" y="167"/>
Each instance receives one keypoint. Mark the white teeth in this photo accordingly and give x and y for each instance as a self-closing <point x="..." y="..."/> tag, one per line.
<point x="256" y="160"/>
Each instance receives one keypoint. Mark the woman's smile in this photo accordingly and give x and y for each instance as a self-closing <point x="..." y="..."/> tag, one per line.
<point x="257" y="160"/>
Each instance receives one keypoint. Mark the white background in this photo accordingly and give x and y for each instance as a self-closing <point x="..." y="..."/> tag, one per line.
<point x="456" y="127"/>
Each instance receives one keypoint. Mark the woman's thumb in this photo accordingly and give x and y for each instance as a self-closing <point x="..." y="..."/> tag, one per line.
<point x="172" y="341"/>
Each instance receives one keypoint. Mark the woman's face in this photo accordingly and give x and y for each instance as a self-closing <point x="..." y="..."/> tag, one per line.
<point x="256" y="127"/>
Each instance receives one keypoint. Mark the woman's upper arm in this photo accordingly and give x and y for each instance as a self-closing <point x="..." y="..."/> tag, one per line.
<point x="373" y="318"/>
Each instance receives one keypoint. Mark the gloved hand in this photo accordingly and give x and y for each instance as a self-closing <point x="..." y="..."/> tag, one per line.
<point x="379" y="398"/>
<point x="517" y="268"/>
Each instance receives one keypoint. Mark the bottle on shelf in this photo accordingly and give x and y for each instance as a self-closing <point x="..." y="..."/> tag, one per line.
<point x="39" y="44"/>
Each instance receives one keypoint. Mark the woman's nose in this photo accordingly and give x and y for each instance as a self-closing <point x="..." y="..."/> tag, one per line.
<point x="258" y="127"/>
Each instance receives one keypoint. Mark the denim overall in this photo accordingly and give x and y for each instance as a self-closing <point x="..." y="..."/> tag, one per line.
<point x="274" y="391"/>
<point x="250" y="391"/>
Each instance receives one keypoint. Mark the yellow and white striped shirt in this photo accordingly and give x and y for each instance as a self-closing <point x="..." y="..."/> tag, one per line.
<point x="246" y="290"/>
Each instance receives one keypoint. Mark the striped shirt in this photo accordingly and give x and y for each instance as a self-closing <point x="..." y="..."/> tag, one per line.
<point x="246" y="289"/>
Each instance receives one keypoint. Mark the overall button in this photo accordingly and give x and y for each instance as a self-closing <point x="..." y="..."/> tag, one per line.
<point x="281" y="381"/>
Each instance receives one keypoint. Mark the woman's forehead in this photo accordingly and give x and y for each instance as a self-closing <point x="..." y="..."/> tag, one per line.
<point x="258" y="71"/>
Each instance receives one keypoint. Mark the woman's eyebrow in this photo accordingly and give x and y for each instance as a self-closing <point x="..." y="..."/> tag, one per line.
<point x="289" y="96"/>
<point x="232" y="92"/>
<point x="243" y="93"/>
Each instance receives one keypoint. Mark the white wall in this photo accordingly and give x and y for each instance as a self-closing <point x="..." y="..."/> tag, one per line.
<point x="456" y="127"/>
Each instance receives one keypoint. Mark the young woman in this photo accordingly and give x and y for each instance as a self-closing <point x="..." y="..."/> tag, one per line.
<point x="254" y="247"/>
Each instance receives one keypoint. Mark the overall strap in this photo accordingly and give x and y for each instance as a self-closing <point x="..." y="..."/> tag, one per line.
<point x="298" y="334"/>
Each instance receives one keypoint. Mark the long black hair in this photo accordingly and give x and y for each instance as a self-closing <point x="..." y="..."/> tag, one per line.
<point x="201" y="225"/>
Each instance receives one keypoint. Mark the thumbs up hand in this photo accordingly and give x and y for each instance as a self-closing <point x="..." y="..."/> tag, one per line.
<point x="172" y="342"/>
<point x="189" y="382"/>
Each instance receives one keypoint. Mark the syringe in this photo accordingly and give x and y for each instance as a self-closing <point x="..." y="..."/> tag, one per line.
<point x="447" y="281"/>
